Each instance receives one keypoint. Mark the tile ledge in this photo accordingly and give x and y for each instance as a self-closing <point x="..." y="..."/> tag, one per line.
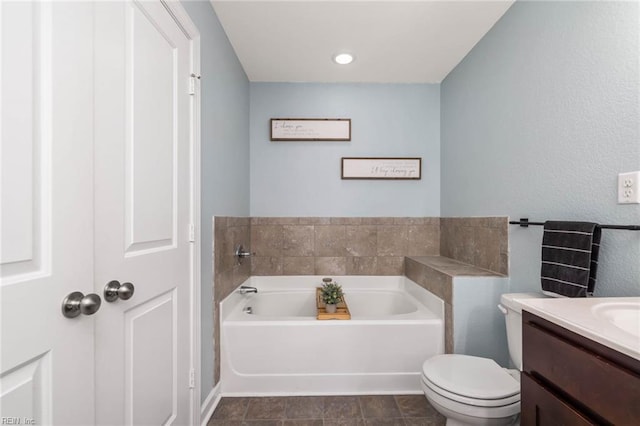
<point x="453" y="268"/>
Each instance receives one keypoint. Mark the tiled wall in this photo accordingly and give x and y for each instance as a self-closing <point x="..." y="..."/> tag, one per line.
<point x="340" y="246"/>
<point x="439" y="284"/>
<point x="228" y="233"/>
<point x="479" y="241"/>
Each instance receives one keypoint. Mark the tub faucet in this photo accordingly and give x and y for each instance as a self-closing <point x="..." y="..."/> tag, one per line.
<point x="244" y="289"/>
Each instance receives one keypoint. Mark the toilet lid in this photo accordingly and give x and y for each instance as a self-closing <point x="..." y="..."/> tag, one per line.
<point x="470" y="376"/>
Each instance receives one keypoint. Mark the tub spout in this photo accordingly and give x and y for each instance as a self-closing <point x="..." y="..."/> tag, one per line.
<point x="244" y="289"/>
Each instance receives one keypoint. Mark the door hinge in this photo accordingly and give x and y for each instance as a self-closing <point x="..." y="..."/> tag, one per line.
<point x="192" y="233"/>
<point x="192" y="83"/>
<point x="192" y="379"/>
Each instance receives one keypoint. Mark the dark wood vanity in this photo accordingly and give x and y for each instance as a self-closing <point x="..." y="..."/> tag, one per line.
<point x="568" y="379"/>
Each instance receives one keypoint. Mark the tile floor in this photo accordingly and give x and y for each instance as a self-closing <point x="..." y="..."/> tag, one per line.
<point x="382" y="410"/>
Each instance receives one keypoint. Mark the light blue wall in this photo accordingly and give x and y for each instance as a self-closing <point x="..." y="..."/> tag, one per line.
<point x="538" y="120"/>
<point x="478" y="324"/>
<point x="225" y="153"/>
<point x="303" y="178"/>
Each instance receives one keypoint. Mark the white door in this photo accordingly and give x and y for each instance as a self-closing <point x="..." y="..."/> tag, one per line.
<point x="46" y="250"/>
<point x="95" y="187"/>
<point x="142" y="213"/>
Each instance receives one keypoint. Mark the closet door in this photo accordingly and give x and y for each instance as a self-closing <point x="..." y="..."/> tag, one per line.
<point x="46" y="249"/>
<point x="142" y="214"/>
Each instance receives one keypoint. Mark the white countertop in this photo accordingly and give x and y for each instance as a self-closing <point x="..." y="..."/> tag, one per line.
<point x="588" y="317"/>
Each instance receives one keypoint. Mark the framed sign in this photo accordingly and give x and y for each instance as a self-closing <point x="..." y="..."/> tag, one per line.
<point x="310" y="129"/>
<point x="381" y="168"/>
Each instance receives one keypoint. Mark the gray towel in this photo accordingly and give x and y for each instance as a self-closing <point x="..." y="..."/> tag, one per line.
<point x="570" y="257"/>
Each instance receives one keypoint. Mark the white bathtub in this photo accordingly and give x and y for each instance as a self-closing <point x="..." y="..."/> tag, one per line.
<point x="281" y="349"/>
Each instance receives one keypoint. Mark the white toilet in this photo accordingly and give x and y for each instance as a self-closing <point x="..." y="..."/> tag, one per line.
<point x="470" y="390"/>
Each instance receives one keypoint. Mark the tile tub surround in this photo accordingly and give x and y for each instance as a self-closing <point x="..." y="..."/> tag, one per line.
<point x="479" y="241"/>
<point x="436" y="274"/>
<point x="228" y="232"/>
<point x="340" y="245"/>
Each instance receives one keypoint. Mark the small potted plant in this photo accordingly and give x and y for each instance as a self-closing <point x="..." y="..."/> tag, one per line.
<point x="331" y="294"/>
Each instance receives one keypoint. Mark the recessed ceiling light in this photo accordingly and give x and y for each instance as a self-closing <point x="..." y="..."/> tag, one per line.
<point x="343" y="58"/>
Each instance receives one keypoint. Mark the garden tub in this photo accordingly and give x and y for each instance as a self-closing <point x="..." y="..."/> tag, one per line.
<point x="280" y="348"/>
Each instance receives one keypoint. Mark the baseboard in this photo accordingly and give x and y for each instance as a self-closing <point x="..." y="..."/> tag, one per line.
<point x="210" y="404"/>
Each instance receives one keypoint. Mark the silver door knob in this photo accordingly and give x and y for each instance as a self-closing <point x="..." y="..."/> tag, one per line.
<point x="77" y="303"/>
<point x="114" y="291"/>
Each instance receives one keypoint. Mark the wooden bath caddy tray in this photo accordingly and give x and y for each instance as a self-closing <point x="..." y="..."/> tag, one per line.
<point x="342" y="310"/>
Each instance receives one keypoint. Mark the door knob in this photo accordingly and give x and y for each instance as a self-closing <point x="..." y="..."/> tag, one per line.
<point x="114" y="291"/>
<point x="77" y="303"/>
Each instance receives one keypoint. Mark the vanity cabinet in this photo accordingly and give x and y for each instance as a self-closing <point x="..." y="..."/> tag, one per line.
<point x="568" y="379"/>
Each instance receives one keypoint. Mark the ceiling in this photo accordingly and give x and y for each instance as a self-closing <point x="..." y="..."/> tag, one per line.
<point x="418" y="41"/>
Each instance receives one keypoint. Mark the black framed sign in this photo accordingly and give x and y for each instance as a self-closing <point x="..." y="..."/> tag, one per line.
<point x="310" y="129"/>
<point x="400" y="168"/>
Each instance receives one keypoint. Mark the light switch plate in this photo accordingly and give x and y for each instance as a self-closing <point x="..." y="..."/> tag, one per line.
<point x="629" y="188"/>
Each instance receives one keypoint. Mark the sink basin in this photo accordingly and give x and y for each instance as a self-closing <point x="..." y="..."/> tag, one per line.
<point x="623" y="315"/>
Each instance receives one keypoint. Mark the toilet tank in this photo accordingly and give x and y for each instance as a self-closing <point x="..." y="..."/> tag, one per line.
<point x="512" y="309"/>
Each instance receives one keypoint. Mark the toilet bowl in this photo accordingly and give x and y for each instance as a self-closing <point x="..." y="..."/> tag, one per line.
<point x="470" y="390"/>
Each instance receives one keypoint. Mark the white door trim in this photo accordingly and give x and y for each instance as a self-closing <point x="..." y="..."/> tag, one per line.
<point x="191" y="31"/>
<point x="209" y="404"/>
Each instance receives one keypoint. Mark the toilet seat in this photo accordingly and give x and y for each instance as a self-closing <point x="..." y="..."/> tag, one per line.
<point x="470" y="380"/>
<point x="476" y="402"/>
<point x="448" y="407"/>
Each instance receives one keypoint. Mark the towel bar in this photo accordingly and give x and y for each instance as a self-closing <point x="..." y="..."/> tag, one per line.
<point x="524" y="222"/>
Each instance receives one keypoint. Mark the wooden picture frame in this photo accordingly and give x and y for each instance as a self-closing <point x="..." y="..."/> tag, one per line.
<point x="385" y="168"/>
<point x="310" y="129"/>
